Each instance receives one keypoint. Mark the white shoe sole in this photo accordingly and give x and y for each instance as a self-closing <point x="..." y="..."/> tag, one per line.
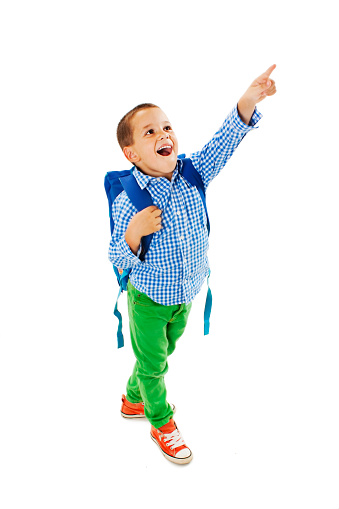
<point x="136" y="416"/>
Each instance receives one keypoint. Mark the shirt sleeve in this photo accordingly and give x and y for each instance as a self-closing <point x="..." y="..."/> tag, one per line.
<point x="119" y="252"/>
<point x="215" y="154"/>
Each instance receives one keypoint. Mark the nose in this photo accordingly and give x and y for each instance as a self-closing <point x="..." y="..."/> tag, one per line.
<point x="163" y="135"/>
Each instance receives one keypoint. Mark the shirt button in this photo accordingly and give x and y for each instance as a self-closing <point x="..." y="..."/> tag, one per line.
<point x="184" y="260"/>
<point x="181" y="238"/>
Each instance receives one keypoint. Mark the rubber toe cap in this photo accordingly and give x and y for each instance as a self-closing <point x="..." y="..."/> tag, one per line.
<point x="184" y="453"/>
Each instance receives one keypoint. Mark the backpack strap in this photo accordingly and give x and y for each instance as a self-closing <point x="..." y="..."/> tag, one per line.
<point x="208" y="307"/>
<point x="194" y="178"/>
<point x="116" y="312"/>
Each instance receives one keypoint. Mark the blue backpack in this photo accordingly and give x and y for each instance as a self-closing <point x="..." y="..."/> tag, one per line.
<point x="118" y="181"/>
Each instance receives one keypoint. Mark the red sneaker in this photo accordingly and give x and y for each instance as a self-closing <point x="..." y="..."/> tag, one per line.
<point x="171" y="443"/>
<point x="131" y="410"/>
<point x="134" y="410"/>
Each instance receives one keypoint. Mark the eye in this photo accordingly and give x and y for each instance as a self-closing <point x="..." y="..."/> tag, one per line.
<point x="150" y="131"/>
<point x="168" y="128"/>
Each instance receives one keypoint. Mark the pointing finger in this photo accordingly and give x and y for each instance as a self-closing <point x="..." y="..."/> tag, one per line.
<point x="263" y="77"/>
<point x="269" y="71"/>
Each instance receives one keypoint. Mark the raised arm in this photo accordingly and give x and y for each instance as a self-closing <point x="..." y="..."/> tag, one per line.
<point x="243" y="118"/>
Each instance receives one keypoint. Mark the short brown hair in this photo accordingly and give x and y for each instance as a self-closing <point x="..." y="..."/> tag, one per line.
<point x="124" y="129"/>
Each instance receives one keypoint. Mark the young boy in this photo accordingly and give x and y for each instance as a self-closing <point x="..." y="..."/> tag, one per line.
<point x="163" y="285"/>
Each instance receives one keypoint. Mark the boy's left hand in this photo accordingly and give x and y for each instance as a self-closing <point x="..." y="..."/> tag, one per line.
<point x="259" y="89"/>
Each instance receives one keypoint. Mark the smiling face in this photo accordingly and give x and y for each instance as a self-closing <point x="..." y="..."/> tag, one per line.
<point x="155" y="146"/>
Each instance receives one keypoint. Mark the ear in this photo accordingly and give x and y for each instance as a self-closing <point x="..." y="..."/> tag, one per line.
<point x="131" y="155"/>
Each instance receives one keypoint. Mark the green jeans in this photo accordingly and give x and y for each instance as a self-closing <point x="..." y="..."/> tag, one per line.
<point x="154" y="330"/>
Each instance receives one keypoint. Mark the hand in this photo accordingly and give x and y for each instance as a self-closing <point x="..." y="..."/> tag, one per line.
<point x="147" y="221"/>
<point x="143" y="223"/>
<point x="259" y="89"/>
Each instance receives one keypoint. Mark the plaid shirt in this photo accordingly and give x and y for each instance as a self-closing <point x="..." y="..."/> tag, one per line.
<point x="176" y="263"/>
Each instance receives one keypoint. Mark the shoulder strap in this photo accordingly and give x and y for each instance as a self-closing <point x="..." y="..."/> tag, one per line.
<point x="194" y="178"/>
<point x="140" y="198"/>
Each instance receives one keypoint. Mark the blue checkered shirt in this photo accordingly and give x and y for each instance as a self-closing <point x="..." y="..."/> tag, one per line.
<point x="176" y="263"/>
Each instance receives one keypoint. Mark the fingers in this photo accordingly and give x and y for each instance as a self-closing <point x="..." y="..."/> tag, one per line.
<point x="155" y="212"/>
<point x="151" y="208"/>
<point x="271" y="91"/>
<point x="270" y="70"/>
<point x="157" y="221"/>
<point x="266" y="74"/>
<point x="155" y="218"/>
<point x="264" y="77"/>
<point x="268" y="85"/>
<point x="266" y="89"/>
<point x="146" y="221"/>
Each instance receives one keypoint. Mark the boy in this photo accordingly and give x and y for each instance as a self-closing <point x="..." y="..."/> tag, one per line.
<point x="162" y="287"/>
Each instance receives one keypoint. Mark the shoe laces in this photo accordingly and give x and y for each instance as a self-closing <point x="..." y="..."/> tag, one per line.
<point x="174" y="439"/>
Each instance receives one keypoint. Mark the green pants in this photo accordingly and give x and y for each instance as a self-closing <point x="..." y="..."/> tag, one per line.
<point x="154" y="330"/>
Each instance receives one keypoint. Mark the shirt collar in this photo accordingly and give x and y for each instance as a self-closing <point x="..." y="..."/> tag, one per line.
<point x="144" y="180"/>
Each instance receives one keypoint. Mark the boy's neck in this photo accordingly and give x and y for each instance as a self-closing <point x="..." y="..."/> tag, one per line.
<point x="167" y="176"/>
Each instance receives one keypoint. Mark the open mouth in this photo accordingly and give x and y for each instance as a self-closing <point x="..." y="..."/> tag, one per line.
<point x="166" y="150"/>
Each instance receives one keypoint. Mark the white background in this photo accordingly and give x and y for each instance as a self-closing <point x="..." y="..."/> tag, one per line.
<point x="257" y="400"/>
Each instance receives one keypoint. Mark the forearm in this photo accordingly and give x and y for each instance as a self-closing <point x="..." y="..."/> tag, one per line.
<point x="133" y="239"/>
<point x="245" y="109"/>
<point x="215" y="154"/>
<point x="120" y="251"/>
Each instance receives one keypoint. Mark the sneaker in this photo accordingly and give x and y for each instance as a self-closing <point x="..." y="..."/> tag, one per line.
<point x="171" y="443"/>
<point x="134" y="410"/>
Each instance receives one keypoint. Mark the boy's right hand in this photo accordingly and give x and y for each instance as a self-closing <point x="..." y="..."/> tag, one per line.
<point x="147" y="221"/>
<point x="143" y="223"/>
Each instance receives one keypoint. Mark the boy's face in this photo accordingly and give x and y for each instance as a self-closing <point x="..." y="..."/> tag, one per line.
<point x="155" y="146"/>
